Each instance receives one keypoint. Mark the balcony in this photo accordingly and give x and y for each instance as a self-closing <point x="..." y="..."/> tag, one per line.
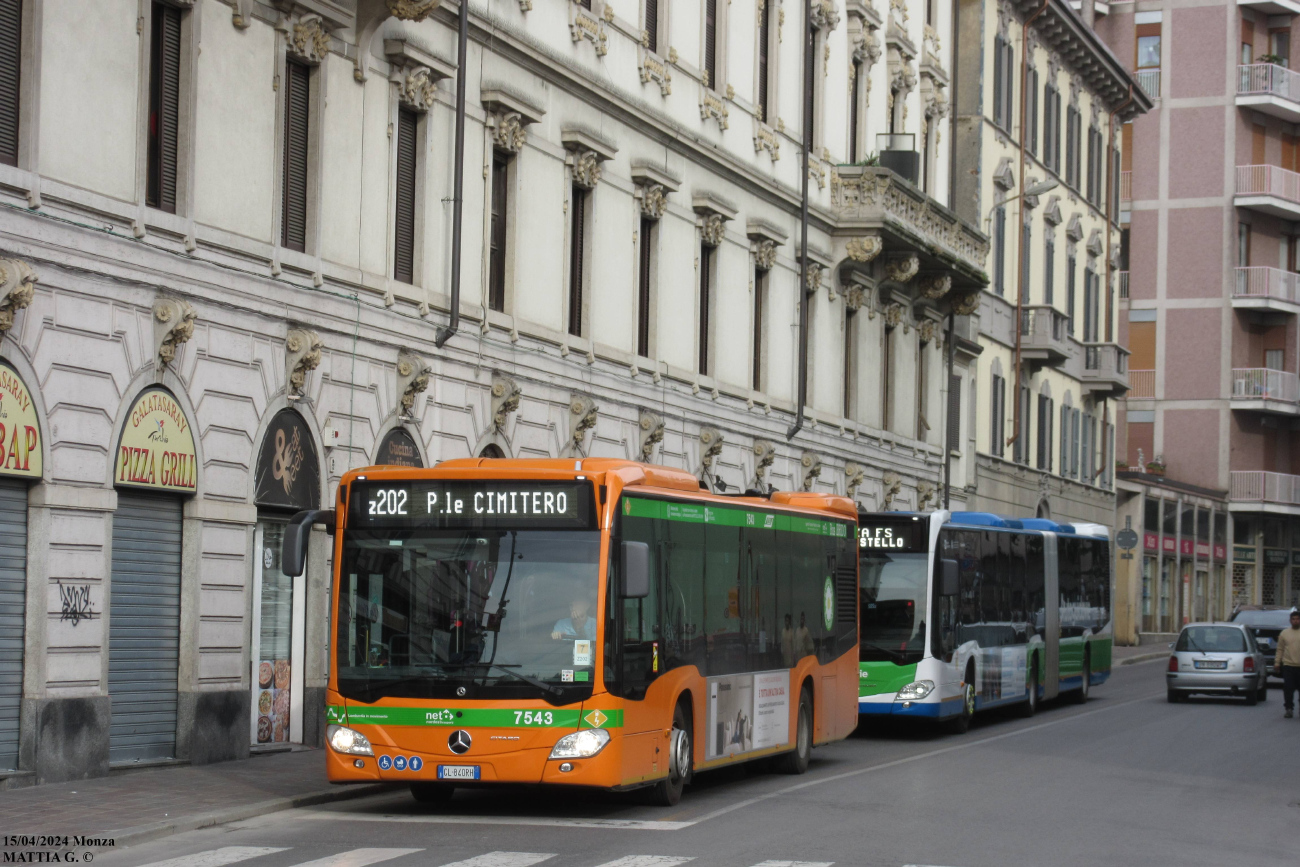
<point x="1266" y="289"/>
<point x="1272" y="7"/>
<point x="1043" y="333"/>
<point x="1257" y="491"/>
<point x="1141" y="383"/>
<point x="1105" y="370"/>
<point x="1259" y="389"/>
<point x="1271" y="89"/>
<point x="1270" y="190"/>
<point x="1149" y="81"/>
<point x="1126" y="186"/>
<point x="1123" y="284"/>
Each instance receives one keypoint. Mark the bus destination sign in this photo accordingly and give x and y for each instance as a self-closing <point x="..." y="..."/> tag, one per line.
<point x="898" y="537"/>
<point x="455" y="504"/>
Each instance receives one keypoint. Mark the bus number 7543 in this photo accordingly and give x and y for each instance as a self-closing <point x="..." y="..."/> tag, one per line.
<point x="533" y="718"/>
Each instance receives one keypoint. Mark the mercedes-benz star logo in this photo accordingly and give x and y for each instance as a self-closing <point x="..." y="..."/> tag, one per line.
<point x="460" y="691"/>
<point x="459" y="742"/>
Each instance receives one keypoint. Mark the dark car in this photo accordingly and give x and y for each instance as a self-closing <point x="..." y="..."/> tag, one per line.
<point x="1266" y="622"/>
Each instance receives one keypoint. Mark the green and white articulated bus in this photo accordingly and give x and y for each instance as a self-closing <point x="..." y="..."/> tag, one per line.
<point x="963" y="611"/>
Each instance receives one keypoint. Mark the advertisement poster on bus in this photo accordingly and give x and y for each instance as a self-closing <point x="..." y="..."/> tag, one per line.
<point x="1004" y="672"/>
<point x="747" y="712"/>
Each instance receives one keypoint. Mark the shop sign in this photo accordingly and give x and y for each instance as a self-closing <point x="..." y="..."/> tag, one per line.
<point x="1220" y="552"/>
<point x="1243" y="554"/>
<point x="1203" y="549"/>
<point x="1276" y="557"/>
<point x="288" y="470"/>
<point x="156" y="450"/>
<point x="398" y="449"/>
<point x="1150" y="542"/>
<point x="1185" y="547"/>
<point x="20" y="432"/>
<point x="1168" y="544"/>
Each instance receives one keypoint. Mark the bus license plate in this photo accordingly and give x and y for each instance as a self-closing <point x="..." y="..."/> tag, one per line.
<point x="1211" y="664"/>
<point x="458" y="772"/>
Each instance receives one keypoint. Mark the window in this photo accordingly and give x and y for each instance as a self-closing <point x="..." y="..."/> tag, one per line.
<point x="652" y="25"/>
<point x="1020" y="450"/>
<point x="886" y="377"/>
<point x="1031" y="110"/>
<point x="708" y="256"/>
<point x="1075" y="425"/>
<point x="1000" y="250"/>
<point x="1073" y="121"/>
<point x="1094" y="165"/>
<point x="954" y="413"/>
<point x="922" y="391"/>
<point x="1049" y="269"/>
<point x="850" y="361"/>
<point x="500" y="230"/>
<point x="766" y="11"/>
<point x="1003" y="59"/>
<point x="404" y="218"/>
<point x="11" y="55"/>
<point x="1069" y="293"/>
<point x="164" y="106"/>
<point x="1243" y="245"/>
<point x="293" y="193"/>
<point x="855" y="100"/>
<point x="760" y="308"/>
<point x="997" y="414"/>
<point x="1090" y="306"/>
<point x="1065" y="438"/>
<point x="1046" y="415"/>
<point x="1247" y="54"/>
<point x="1273" y="358"/>
<point x="1025" y="257"/>
<point x="578" y="208"/>
<point x="649" y="238"/>
<point x="1148" y="50"/>
<point x="1052" y="128"/>
<point x="711" y="44"/>
<point x="1279" y="45"/>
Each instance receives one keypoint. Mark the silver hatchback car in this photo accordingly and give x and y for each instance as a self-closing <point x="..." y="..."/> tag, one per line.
<point x="1217" y="659"/>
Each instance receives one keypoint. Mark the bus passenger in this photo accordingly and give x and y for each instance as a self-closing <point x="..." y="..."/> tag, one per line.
<point x="787" y="643"/>
<point x="577" y="624"/>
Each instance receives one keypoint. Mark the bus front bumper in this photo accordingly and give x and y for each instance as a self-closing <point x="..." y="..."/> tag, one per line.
<point x="887" y="705"/>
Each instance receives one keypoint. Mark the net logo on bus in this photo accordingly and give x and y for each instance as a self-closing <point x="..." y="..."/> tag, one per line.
<point x="468" y="504"/>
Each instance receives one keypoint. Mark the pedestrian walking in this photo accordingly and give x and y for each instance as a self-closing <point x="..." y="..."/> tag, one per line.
<point x="1287" y="661"/>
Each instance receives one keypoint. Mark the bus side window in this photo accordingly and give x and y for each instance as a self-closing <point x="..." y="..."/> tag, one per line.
<point x="1015" y="595"/>
<point x="1035" y="584"/>
<point x="640" y="639"/>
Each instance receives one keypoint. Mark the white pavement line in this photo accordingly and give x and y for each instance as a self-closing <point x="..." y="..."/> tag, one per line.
<point x="218" y="857"/>
<point x="503" y="859"/>
<point x="740" y="805"/>
<point x="610" y="824"/>
<point x="803" y="864"/>
<point x="358" y="857"/>
<point x="648" y="861"/>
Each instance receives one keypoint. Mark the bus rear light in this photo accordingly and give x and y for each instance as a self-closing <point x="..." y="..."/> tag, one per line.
<point x="1173" y="663"/>
<point x="348" y="741"/>
<point x="915" y="691"/>
<point x="581" y="744"/>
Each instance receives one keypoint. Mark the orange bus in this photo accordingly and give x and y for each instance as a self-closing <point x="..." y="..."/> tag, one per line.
<point x="596" y="622"/>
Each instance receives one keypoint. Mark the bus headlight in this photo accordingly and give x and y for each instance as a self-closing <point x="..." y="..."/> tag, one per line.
<point x="915" y="691"/>
<point x="350" y="741"/>
<point x="580" y="745"/>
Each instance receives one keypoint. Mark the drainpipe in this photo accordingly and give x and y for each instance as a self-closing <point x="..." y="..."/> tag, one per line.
<point x="1020" y="240"/>
<point x="1110" y="194"/>
<point x="947" y="436"/>
<point x="458" y="182"/>
<point x="802" y="396"/>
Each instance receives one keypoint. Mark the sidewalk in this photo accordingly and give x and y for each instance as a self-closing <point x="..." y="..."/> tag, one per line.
<point x="142" y="805"/>
<point x="1140" y="653"/>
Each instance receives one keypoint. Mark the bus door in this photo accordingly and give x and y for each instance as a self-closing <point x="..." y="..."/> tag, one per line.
<point x="1052" y="619"/>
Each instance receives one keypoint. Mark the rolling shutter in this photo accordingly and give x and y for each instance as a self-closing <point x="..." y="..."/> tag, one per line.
<point x="11" y="44"/>
<point x="404" y="223"/>
<point x="297" y="110"/>
<point x="164" y="107"/>
<point x="144" y="627"/>
<point x="13" y="591"/>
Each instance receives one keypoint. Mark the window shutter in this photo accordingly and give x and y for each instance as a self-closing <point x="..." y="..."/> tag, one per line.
<point x="1065" y="441"/>
<point x="711" y="41"/>
<point x="1049" y="270"/>
<point x="11" y="44"/>
<point x="577" y="264"/>
<point x="164" y="107"/>
<point x="706" y="279"/>
<point x="764" y="45"/>
<point x="404" y="218"/>
<point x="293" y="197"/>
<point x="652" y="25"/>
<point x="997" y="80"/>
<point x="760" y="291"/>
<point x="855" y="81"/>
<point x="643" y="288"/>
<point x="497" y="254"/>
<point x="954" y="413"/>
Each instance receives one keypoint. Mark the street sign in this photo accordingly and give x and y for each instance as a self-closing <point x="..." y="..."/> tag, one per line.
<point x="1126" y="539"/>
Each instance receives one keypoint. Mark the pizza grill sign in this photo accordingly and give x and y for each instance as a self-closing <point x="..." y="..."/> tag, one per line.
<point x="20" y="432"/>
<point x="157" y="446"/>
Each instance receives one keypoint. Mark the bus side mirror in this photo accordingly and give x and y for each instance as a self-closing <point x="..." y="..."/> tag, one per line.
<point x="949" y="576"/>
<point x="293" y="548"/>
<point x="636" y="570"/>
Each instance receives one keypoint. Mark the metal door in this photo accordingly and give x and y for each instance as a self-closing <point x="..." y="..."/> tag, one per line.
<point x="13" y="593"/>
<point x="144" y="627"/>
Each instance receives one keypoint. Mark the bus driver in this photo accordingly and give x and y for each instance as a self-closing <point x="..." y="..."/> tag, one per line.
<point x="577" y="624"/>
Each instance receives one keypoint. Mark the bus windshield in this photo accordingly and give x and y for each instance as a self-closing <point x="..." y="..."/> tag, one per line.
<point x="892" y="602"/>
<point x="478" y="613"/>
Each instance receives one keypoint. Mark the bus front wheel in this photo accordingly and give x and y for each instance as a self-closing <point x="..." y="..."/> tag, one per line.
<point x="1030" y="707"/>
<point x="432" y="793"/>
<point x="796" y="762"/>
<point x="668" y="792"/>
<point x="1085" y="683"/>
<point x="961" y="723"/>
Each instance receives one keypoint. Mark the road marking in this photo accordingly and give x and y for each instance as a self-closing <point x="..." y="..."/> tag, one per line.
<point x="503" y="859"/>
<point x="358" y="857"/>
<point x="649" y="861"/>
<point x="805" y="864"/>
<point x="218" y="857"/>
<point x="609" y="824"/>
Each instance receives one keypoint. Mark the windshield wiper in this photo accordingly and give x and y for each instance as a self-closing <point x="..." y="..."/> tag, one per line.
<point x="1195" y="646"/>
<point x="893" y="654"/>
<point x="532" y="681"/>
<point x="380" y="689"/>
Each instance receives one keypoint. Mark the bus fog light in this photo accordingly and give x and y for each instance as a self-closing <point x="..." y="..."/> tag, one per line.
<point x="581" y="744"/>
<point x="358" y="763"/>
<point x="349" y="741"/>
<point x="915" y="691"/>
<point x="566" y="767"/>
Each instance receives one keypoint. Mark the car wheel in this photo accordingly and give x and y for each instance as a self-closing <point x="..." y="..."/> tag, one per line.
<point x="681" y="758"/>
<point x="1173" y="696"/>
<point x="961" y="723"/>
<point x="796" y="762"/>
<point x="432" y="793"/>
<point x="1030" y="707"/>
<point x="1252" y="697"/>
<point x="1263" y="688"/>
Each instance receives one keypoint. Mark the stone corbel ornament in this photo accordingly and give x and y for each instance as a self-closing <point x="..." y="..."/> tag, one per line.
<point x="1095" y="246"/>
<point x="765" y="255"/>
<point x="864" y="249"/>
<point x="812" y="468"/>
<point x="584" y="24"/>
<point x="173" y="324"/>
<point x="309" y="40"/>
<point x="651" y="434"/>
<point x="412" y="10"/>
<point x="825" y="16"/>
<point x="967" y="304"/>
<point x="927" y="330"/>
<point x="653" y="69"/>
<point x="893" y="315"/>
<point x="418" y="88"/>
<point x="582" y="418"/>
<point x="509" y="112"/>
<point x="505" y="400"/>
<point x="854" y="474"/>
<point x="586" y="169"/>
<point x="508" y="134"/>
<point x="855" y="296"/>
<point x="903" y="268"/>
<point x="242" y="15"/>
<point x="412" y="380"/>
<point x="764" y="457"/>
<point x="712" y="230"/>
<point x="934" y="286"/>
<point x="812" y="280"/>
<point x="17" y="288"/>
<point x="302" y="353"/>
<point x="925" y="492"/>
<point x="654" y="200"/>
<point x="891" y="485"/>
<point x="713" y="106"/>
<point x="711" y="440"/>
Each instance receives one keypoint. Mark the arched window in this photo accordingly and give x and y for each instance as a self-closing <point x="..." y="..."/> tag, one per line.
<point x="492" y="450"/>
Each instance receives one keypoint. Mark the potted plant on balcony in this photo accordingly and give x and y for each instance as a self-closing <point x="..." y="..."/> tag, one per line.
<point x="1156" y="466"/>
<point x="1121" y="465"/>
<point x="1275" y="59"/>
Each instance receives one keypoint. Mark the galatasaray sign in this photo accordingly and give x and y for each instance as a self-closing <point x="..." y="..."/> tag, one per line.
<point x="20" y="432"/>
<point x="157" y="446"/>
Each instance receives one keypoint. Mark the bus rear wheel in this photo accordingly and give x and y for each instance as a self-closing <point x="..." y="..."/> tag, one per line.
<point x="1030" y="707"/>
<point x="681" y="757"/>
<point x="432" y="793"/>
<point x="1081" y="696"/>
<point x="796" y="762"/>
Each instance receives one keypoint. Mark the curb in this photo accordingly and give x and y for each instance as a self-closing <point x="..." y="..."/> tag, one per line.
<point x="144" y="833"/>
<point x="1145" y="657"/>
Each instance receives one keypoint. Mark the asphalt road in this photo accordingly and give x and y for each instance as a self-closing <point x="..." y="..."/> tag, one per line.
<point x="1125" y="779"/>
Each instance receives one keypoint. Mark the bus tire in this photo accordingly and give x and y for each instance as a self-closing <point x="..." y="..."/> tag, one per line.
<point x="432" y="793"/>
<point x="796" y="761"/>
<point x="1085" y="679"/>
<point x="681" y="758"/>
<point x="960" y="724"/>
<point x="1030" y="707"/>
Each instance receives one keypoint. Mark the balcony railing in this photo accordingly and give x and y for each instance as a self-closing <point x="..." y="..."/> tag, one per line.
<point x="1126" y="186"/>
<point x="1265" y="283"/>
<point x="1106" y="358"/>
<point x="1268" y="181"/>
<point x="1268" y="79"/>
<point x="1260" y="383"/>
<point x="1254" y="486"/>
<point x="1149" y="81"/>
<point x="1141" y="383"/>
<point x="1123" y="284"/>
